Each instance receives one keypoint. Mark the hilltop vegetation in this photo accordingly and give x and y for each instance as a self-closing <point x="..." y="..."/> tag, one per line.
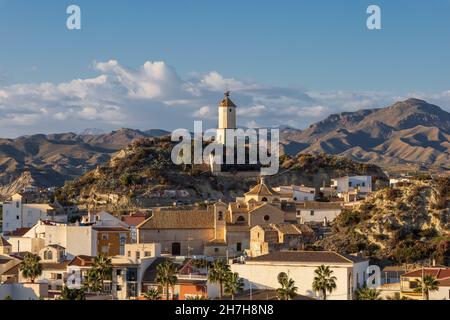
<point x="145" y="167"/>
<point x="405" y="224"/>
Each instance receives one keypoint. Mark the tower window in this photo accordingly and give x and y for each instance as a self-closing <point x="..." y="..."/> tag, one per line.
<point x="266" y="218"/>
<point x="231" y="110"/>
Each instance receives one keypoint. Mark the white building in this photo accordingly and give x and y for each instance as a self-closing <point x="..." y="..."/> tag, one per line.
<point x="19" y="214"/>
<point x="103" y="219"/>
<point x="77" y="240"/>
<point x="322" y="212"/>
<point x="346" y="184"/>
<point x="262" y="272"/>
<point x="297" y="193"/>
<point x="227" y="118"/>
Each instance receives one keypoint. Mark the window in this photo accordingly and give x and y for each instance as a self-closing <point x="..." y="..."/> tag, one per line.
<point x="350" y="184"/>
<point x="17" y="217"/>
<point x="147" y="254"/>
<point x="216" y="250"/>
<point x="129" y="254"/>
<point x="104" y="236"/>
<point x="138" y="254"/>
<point x="312" y="212"/>
<point x="119" y="272"/>
<point x="17" y="205"/>
<point x="231" y="110"/>
<point x="59" y="276"/>
<point x="266" y="218"/>
<point x="363" y="184"/>
<point x="240" y="219"/>
<point x="220" y="217"/>
<point x="264" y="199"/>
<point x="119" y="288"/>
<point x="238" y="246"/>
<point x="48" y="255"/>
<point x="123" y="239"/>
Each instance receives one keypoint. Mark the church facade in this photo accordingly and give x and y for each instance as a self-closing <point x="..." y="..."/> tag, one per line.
<point x="220" y="229"/>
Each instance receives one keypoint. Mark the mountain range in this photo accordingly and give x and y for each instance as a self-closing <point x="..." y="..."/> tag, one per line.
<point x="408" y="133"/>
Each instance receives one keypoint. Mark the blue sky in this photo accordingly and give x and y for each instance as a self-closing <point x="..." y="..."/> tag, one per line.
<point x="283" y="46"/>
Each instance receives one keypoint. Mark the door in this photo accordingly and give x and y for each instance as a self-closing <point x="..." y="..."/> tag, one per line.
<point x="176" y="249"/>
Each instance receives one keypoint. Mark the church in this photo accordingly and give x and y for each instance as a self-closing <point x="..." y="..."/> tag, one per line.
<point x="226" y="129"/>
<point x="221" y="229"/>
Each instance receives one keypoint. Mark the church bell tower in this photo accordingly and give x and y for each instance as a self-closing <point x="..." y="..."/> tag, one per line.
<point x="227" y="118"/>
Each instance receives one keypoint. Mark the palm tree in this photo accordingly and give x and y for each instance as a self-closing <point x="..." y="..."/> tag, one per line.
<point x="427" y="285"/>
<point x="233" y="284"/>
<point x="92" y="281"/>
<point x="324" y="281"/>
<point x="288" y="290"/>
<point x="218" y="274"/>
<point x="153" y="294"/>
<point x="166" y="275"/>
<point x="31" y="267"/>
<point x="366" y="293"/>
<point x="103" y="268"/>
<point x="72" y="294"/>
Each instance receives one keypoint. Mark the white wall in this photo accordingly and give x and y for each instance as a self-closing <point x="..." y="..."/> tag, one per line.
<point x="264" y="276"/>
<point x="363" y="182"/>
<point x="23" y="291"/>
<point x="442" y="294"/>
<point x="319" y="215"/>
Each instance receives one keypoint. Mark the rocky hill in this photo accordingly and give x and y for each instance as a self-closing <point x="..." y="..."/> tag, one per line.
<point x="408" y="132"/>
<point x="405" y="224"/>
<point x="50" y="160"/>
<point x="144" y="169"/>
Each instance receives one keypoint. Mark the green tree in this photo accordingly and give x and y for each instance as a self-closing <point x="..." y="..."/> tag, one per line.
<point x="427" y="285"/>
<point x="324" y="281"/>
<point x="288" y="290"/>
<point x="366" y="293"/>
<point x="92" y="281"/>
<point x="153" y="294"/>
<point x="233" y="284"/>
<point x="166" y="275"/>
<point x="101" y="270"/>
<point x="31" y="267"/>
<point x="72" y="294"/>
<point x="218" y="273"/>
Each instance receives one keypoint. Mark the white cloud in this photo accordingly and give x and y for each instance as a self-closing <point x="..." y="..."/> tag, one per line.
<point x="155" y="96"/>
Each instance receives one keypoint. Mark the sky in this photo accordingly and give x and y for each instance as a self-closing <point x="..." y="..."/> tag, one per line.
<point x="163" y="64"/>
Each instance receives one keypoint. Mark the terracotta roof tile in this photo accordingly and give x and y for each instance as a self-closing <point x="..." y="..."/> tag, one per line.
<point x="306" y="257"/>
<point x="183" y="219"/>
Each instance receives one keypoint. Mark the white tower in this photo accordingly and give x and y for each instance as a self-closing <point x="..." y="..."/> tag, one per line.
<point x="227" y="118"/>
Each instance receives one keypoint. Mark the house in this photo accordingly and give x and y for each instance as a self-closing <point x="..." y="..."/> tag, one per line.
<point x="192" y="281"/>
<point x="272" y="237"/>
<point x="133" y="220"/>
<point x="296" y="193"/>
<point x="261" y="272"/>
<point x="346" y="184"/>
<point x="323" y="212"/>
<point x="102" y="219"/>
<point x="5" y="246"/>
<point x="7" y="263"/>
<point x="410" y="281"/>
<point x="127" y="270"/>
<point x="54" y="268"/>
<point x="111" y="240"/>
<point x="88" y="240"/>
<point x="18" y="213"/>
